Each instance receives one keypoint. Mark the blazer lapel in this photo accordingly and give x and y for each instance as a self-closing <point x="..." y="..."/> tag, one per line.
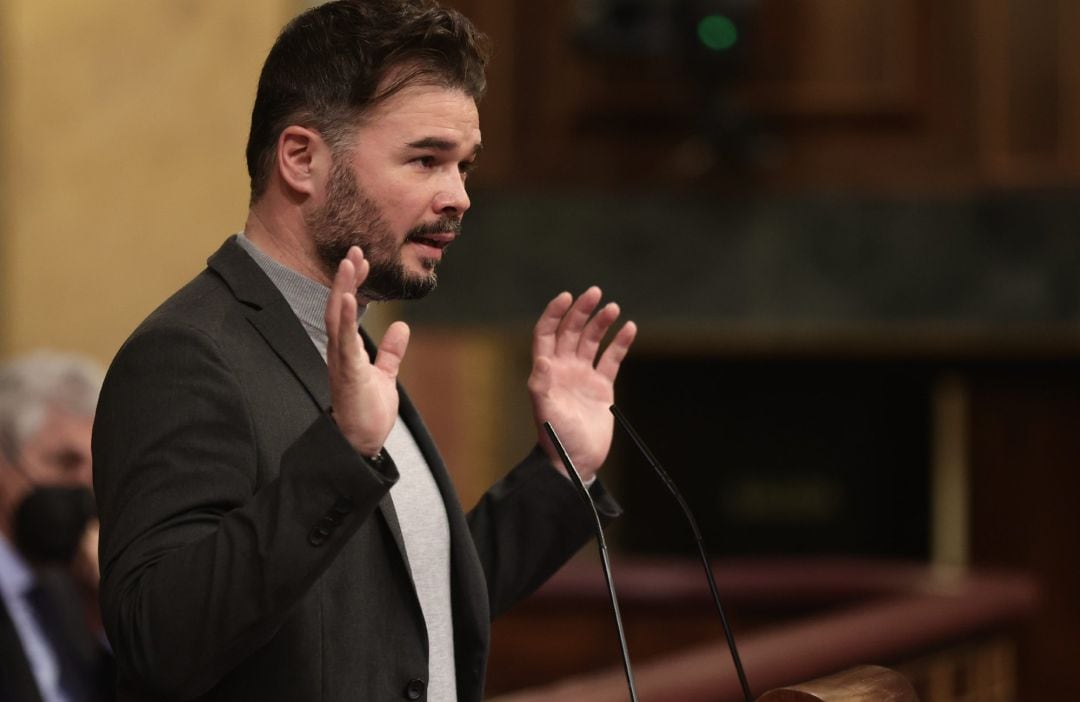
<point x="270" y="314"/>
<point x="272" y="317"/>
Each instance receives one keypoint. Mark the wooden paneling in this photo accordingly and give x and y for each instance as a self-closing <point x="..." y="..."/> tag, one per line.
<point x="826" y="92"/>
<point x="1024" y="488"/>
<point x="949" y="631"/>
<point x="1028" y="86"/>
<point x="837" y="58"/>
<point x="880" y="94"/>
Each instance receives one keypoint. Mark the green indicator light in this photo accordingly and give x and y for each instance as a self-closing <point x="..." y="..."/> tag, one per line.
<point x="717" y="32"/>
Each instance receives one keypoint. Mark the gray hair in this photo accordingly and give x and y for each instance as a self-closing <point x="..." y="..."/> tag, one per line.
<point x="30" y="385"/>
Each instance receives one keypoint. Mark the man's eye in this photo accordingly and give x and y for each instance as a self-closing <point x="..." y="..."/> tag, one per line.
<point x="425" y="161"/>
<point x="467" y="167"/>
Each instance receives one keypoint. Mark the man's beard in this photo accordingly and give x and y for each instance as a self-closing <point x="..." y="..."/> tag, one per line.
<point x="349" y="218"/>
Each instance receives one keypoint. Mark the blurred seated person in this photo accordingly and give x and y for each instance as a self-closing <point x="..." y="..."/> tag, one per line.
<point x="52" y="646"/>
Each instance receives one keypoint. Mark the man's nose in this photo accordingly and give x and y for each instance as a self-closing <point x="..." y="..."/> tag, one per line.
<point x="452" y="198"/>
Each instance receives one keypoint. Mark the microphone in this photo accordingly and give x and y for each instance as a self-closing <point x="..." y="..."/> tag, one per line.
<point x="583" y="492"/>
<point x="625" y="424"/>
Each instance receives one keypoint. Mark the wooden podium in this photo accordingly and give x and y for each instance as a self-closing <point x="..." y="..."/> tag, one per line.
<point x="946" y="632"/>
<point x="866" y="683"/>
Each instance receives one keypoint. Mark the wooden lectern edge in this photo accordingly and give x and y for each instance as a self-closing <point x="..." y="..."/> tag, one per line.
<point x="865" y="683"/>
<point x="809" y="647"/>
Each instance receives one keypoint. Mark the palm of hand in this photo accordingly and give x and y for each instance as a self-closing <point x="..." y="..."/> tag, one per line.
<point x="363" y="392"/>
<point x="365" y="401"/>
<point x="571" y="386"/>
<point x="575" y="398"/>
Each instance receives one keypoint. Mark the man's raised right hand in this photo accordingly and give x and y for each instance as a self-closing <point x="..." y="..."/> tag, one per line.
<point x="363" y="394"/>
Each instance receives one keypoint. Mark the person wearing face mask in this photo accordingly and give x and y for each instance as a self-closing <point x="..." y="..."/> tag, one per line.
<point x="52" y="647"/>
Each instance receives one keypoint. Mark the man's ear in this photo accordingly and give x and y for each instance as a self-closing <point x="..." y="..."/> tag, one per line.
<point x="303" y="159"/>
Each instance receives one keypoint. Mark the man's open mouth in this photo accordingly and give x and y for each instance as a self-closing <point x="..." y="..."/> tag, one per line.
<point x="436" y="241"/>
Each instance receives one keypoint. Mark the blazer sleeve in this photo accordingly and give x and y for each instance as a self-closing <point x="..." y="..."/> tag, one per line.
<point x="528" y="525"/>
<point x="199" y="569"/>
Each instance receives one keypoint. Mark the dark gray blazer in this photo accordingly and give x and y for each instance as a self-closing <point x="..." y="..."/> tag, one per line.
<point x="248" y="552"/>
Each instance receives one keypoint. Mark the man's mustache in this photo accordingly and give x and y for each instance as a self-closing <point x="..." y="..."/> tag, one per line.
<point x="439" y="226"/>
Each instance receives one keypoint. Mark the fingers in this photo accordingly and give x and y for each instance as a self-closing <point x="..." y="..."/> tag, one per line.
<point x="333" y="305"/>
<point x="349" y="346"/>
<point x="362" y="392"/>
<point x="548" y="324"/>
<point x="392" y="348"/>
<point x="613" y="355"/>
<point x="573" y="322"/>
<point x="569" y="326"/>
<point x="595" y="330"/>
<point x="343" y="339"/>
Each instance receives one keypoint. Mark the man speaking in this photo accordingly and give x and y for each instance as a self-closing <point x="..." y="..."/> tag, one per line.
<point x="276" y="523"/>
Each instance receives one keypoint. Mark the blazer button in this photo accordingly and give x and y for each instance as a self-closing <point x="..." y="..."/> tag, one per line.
<point x="343" y="505"/>
<point x="315" y="538"/>
<point x="328" y="524"/>
<point x="415" y="689"/>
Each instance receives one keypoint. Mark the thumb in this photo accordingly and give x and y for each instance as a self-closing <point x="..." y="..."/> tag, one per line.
<point x="540" y="378"/>
<point x="392" y="348"/>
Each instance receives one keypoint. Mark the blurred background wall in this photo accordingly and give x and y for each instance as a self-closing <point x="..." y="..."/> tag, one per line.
<point x="847" y="229"/>
<point x="123" y="130"/>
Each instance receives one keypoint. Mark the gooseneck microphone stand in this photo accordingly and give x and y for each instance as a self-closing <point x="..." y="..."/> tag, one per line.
<point x="575" y="478"/>
<point x="625" y="424"/>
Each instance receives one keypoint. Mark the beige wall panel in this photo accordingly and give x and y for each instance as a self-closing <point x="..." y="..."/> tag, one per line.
<point x="124" y="131"/>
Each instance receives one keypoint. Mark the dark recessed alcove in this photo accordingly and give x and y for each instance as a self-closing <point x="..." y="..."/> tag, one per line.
<point x="779" y="455"/>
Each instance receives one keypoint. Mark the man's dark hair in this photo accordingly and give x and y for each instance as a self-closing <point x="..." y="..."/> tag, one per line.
<point x="329" y="67"/>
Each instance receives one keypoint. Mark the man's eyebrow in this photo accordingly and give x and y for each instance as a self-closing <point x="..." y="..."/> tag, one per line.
<point x="439" y="145"/>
